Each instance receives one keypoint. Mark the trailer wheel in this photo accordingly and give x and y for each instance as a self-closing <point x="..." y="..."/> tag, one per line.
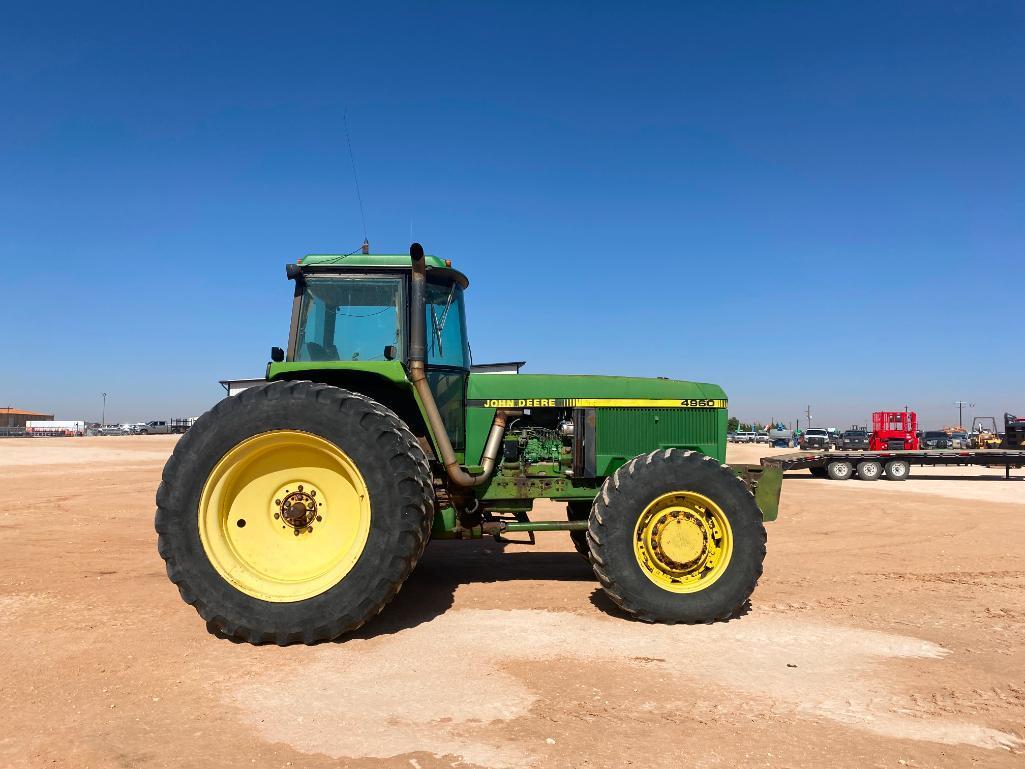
<point x="870" y="470"/>
<point x="897" y="470"/>
<point x="839" y="470"/>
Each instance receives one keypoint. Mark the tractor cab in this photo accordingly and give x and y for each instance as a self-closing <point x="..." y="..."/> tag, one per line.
<point x="356" y="310"/>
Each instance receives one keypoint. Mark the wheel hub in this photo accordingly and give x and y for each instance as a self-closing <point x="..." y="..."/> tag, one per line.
<point x="298" y="508"/>
<point x="683" y="541"/>
<point x="680" y="540"/>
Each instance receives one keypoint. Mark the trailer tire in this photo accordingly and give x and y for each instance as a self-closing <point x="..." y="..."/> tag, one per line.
<point x="869" y="470"/>
<point x="897" y="470"/>
<point x="364" y="472"/>
<point x="676" y="537"/>
<point x="839" y="470"/>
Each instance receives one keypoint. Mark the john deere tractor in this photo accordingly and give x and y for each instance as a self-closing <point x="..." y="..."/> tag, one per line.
<point x="294" y="511"/>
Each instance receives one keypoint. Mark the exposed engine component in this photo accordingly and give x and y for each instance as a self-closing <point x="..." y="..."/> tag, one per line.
<point x="539" y="444"/>
<point x="531" y="445"/>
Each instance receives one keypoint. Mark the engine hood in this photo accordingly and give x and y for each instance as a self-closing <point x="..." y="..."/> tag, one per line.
<point x="558" y="390"/>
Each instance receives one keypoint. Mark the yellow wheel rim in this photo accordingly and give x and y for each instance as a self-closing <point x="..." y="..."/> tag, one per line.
<point x="284" y="516"/>
<point x="683" y="542"/>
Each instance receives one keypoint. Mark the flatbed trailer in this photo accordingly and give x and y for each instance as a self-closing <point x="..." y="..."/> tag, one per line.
<point x="892" y="465"/>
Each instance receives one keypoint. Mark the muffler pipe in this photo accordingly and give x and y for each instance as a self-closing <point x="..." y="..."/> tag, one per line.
<point x="418" y="376"/>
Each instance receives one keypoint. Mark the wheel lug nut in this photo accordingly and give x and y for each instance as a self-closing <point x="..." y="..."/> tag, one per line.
<point x="300" y="487"/>
<point x="313" y="492"/>
<point x="296" y="532"/>
<point x="320" y="518"/>
<point x="276" y="516"/>
<point x="277" y="501"/>
<point x="309" y="528"/>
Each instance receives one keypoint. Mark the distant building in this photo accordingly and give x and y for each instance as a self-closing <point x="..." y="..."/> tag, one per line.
<point x="235" y="386"/>
<point x="512" y="367"/>
<point x="11" y="417"/>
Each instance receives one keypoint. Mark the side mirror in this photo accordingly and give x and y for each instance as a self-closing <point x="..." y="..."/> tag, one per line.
<point x="390" y="352"/>
<point x="277" y="354"/>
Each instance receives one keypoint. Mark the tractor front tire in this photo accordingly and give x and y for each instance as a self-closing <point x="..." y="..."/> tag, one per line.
<point x="676" y="537"/>
<point x="293" y="512"/>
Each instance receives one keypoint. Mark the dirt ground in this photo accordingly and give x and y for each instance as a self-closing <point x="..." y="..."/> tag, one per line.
<point x="887" y="631"/>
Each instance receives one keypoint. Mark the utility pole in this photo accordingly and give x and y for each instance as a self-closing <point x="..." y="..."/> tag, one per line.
<point x="807" y="413"/>
<point x="103" y="417"/>
<point x="960" y="405"/>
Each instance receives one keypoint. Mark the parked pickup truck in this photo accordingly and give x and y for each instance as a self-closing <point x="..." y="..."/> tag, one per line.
<point x="815" y="438"/>
<point x="745" y="436"/>
<point x="856" y="440"/>
<point x="164" y="426"/>
<point x="936" y="439"/>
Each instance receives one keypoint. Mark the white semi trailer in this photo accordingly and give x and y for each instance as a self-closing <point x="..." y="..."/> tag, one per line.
<point x="54" y="428"/>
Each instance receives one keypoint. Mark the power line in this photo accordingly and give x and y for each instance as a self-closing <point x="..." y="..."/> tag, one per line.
<point x="355" y="177"/>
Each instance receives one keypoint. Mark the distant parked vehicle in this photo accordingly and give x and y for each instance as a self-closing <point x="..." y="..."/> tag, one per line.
<point x="52" y="428"/>
<point x="779" y="436"/>
<point x="109" y="430"/>
<point x="815" y="438"/>
<point x="1014" y="432"/>
<point x="959" y="439"/>
<point x="745" y="436"/>
<point x="936" y="439"/>
<point x="165" y="426"/>
<point x="894" y="431"/>
<point x="731" y="437"/>
<point x="761" y="437"/>
<point x="853" y="440"/>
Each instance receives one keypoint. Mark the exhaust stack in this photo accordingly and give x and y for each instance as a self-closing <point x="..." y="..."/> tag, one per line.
<point x="418" y="376"/>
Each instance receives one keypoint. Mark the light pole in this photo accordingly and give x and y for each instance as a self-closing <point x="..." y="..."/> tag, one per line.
<point x="103" y="416"/>
<point x="960" y="405"/>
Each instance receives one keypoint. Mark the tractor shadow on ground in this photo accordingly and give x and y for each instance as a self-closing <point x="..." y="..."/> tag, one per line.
<point x="600" y="600"/>
<point x="430" y="590"/>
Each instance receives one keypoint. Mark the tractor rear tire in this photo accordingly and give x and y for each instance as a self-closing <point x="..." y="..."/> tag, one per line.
<point x="305" y="566"/>
<point x="676" y="537"/>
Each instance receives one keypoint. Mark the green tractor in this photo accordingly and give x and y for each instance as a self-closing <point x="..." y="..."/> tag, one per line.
<point x="294" y="511"/>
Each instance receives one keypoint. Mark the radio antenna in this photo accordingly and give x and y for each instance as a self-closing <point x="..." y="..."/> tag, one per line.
<point x="355" y="177"/>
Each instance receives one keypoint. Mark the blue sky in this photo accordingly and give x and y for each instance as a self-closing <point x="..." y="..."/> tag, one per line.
<point x="808" y="203"/>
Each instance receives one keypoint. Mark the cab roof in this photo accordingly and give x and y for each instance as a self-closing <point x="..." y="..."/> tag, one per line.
<point x="362" y="262"/>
